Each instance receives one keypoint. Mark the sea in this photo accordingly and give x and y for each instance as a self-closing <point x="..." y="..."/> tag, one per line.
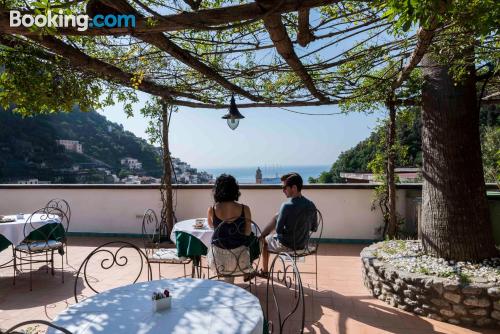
<point x="269" y="173"/>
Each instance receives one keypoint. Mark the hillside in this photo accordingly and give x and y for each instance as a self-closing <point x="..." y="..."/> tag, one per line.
<point x="28" y="147"/>
<point x="357" y="158"/>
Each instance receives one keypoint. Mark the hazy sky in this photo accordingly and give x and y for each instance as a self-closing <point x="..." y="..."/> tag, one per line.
<point x="267" y="136"/>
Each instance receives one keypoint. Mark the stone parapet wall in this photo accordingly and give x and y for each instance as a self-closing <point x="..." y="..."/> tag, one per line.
<point x="475" y="303"/>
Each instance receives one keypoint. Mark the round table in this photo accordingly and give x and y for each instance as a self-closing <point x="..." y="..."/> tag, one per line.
<point x="203" y="234"/>
<point x="198" y="306"/>
<point x="195" y="242"/>
<point x="13" y="232"/>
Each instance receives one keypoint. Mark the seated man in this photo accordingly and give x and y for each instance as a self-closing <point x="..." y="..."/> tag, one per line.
<point x="296" y="218"/>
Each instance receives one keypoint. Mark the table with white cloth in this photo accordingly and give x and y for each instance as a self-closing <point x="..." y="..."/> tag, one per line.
<point x="198" y="306"/>
<point x="203" y="235"/>
<point x="14" y="232"/>
<point x="41" y="226"/>
<point x="194" y="242"/>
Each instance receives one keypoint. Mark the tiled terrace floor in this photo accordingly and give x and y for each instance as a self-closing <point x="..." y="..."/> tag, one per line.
<point x="342" y="304"/>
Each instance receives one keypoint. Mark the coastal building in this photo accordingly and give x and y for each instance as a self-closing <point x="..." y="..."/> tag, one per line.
<point x="131" y="163"/>
<point x="32" y="181"/>
<point x="405" y="175"/>
<point x="131" y="179"/>
<point x="70" y="145"/>
<point x="259" y="179"/>
<point x="258" y="176"/>
<point x="185" y="174"/>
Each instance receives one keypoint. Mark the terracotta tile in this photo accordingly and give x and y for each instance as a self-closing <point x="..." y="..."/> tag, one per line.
<point x="341" y="305"/>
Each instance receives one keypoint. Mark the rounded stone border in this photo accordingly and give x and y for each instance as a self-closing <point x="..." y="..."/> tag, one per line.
<point x="435" y="297"/>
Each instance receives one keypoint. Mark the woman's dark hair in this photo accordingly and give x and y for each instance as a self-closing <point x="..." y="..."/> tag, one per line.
<point x="226" y="189"/>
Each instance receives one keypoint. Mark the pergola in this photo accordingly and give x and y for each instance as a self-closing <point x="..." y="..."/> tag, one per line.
<point x="272" y="53"/>
<point x="294" y="41"/>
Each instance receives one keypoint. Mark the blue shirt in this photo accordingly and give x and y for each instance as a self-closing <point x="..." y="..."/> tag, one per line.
<point x="297" y="217"/>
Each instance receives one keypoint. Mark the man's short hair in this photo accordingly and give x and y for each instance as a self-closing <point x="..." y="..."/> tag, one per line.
<point x="293" y="179"/>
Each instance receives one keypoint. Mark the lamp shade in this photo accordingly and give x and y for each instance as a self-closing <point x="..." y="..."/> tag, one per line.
<point x="233" y="116"/>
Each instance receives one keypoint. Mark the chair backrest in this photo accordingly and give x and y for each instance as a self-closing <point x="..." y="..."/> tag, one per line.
<point x="313" y="219"/>
<point x="62" y="205"/>
<point x="112" y="256"/>
<point x="284" y="283"/>
<point x="227" y="260"/>
<point x="43" y="226"/>
<point x="150" y="230"/>
<point x="12" y="330"/>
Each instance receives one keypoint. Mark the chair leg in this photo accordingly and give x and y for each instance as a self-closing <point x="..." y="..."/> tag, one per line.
<point x="15" y="266"/>
<point x="66" y="251"/>
<point x="31" y="272"/>
<point x="62" y="267"/>
<point x="159" y="270"/>
<point x="47" y="263"/>
<point x="52" y="261"/>
<point x="20" y="261"/>
<point x="316" y="272"/>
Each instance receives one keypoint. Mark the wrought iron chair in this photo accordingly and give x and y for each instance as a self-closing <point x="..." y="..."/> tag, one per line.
<point x="112" y="255"/>
<point x="40" y="239"/>
<point x="285" y="307"/>
<point x="12" y="330"/>
<point x="314" y="219"/>
<point x="242" y="261"/>
<point x="155" y="251"/>
<point x="62" y="205"/>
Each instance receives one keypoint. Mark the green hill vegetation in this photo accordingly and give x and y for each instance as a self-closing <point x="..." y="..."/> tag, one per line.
<point x="28" y="148"/>
<point x="358" y="158"/>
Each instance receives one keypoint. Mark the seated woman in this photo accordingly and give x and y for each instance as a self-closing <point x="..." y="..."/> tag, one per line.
<point x="229" y="254"/>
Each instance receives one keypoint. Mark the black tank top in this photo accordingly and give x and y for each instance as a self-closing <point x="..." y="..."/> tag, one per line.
<point x="230" y="235"/>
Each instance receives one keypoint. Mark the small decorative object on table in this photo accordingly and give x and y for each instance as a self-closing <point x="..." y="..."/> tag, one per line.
<point x="20" y="216"/>
<point x="161" y="300"/>
<point x="199" y="222"/>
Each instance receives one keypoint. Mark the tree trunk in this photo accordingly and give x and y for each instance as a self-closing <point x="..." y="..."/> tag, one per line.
<point x="391" y="182"/>
<point x="455" y="219"/>
<point x="167" y="216"/>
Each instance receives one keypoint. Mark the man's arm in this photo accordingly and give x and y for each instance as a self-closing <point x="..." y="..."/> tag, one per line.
<point x="280" y="221"/>
<point x="269" y="227"/>
<point x="314" y="225"/>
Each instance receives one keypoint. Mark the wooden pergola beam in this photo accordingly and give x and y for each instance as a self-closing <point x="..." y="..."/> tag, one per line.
<point x="424" y="40"/>
<point x="284" y="46"/>
<point x="165" y="44"/>
<point x="200" y="20"/>
<point x="304" y="34"/>
<point x="85" y="63"/>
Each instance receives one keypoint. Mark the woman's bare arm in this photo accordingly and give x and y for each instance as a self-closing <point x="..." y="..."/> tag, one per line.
<point x="248" y="220"/>
<point x="210" y="215"/>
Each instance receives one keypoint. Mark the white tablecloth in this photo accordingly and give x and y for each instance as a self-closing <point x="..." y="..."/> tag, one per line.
<point x="198" y="306"/>
<point x="204" y="234"/>
<point x="14" y="231"/>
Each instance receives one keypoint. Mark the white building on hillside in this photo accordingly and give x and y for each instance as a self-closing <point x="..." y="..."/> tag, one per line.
<point x="71" y="145"/>
<point x="33" y="181"/>
<point x="131" y="163"/>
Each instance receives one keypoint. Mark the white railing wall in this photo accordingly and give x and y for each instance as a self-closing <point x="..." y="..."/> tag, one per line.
<point x="118" y="209"/>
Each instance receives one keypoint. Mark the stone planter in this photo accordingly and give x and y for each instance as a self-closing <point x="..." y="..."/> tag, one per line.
<point x="435" y="297"/>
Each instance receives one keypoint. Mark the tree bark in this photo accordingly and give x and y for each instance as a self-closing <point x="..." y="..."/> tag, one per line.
<point x="391" y="182"/>
<point x="455" y="219"/>
<point x="167" y="216"/>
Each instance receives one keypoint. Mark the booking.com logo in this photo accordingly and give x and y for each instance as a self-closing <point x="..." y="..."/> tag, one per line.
<point x="81" y="21"/>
